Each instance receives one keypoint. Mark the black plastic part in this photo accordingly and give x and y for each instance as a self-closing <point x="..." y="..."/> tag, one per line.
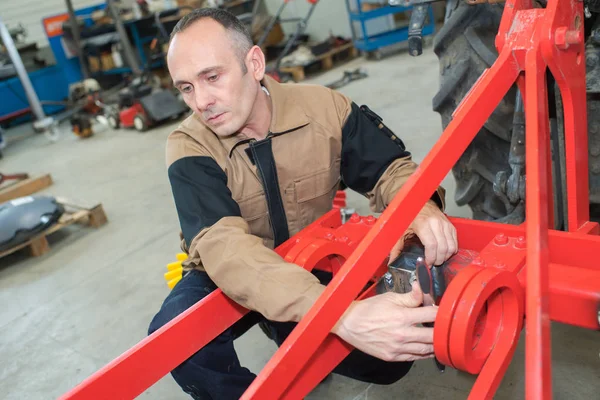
<point x="415" y="29"/>
<point x="439" y="283"/>
<point x="415" y="45"/>
<point x="424" y="278"/>
<point x="23" y="218"/>
<point x="162" y="105"/>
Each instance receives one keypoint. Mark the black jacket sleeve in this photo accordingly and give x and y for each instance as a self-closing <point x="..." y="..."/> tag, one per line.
<point x="375" y="162"/>
<point x="201" y="194"/>
<point x="366" y="151"/>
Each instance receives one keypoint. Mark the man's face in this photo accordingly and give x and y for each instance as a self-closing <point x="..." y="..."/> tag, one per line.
<point x="206" y="69"/>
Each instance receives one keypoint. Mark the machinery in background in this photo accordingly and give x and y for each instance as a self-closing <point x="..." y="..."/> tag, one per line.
<point x="85" y="106"/>
<point x="273" y="70"/>
<point x="42" y="123"/>
<point x="141" y="107"/>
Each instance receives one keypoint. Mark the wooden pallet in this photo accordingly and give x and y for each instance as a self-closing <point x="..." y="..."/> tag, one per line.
<point x="91" y="216"/>
<point x="325" y="60"/>
<point x="23" y="188"/>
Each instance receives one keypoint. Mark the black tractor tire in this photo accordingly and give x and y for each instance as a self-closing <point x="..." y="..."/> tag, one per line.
<point x="465" y="46"/>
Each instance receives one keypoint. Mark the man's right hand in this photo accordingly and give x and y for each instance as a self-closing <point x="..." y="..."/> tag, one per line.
<point x="385" y="326"/>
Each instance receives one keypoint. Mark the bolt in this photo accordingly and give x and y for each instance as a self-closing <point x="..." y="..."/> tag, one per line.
<point x="564" y="38"/>
<point x="478" y="261"/>
<point x="388" y="279"/>
<point x="521" y="243"/>
<point x="342" y="239"/>
<point x="595" y="36"/>
<point x="370" y="220"/>
<point x="591" y="60"/>
<point x="501" y="239"/>
<point x="355" y="218"/>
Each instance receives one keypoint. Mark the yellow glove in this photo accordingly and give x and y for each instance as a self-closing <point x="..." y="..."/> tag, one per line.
<point x="175" y="270"/>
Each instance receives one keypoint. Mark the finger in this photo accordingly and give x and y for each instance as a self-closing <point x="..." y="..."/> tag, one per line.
<point x="412" y="299"/>
<point x="429" y="241"/>
<point x="397" y="249"/>
<point x="437" y="227"/>
<point x="412" y="357"/>
<point x="417" y="334"/>
<point x="417" y="349"/>
<point x="421" y="315"/>
<point x="455" y="236"/>
<point x="450" y="239"/>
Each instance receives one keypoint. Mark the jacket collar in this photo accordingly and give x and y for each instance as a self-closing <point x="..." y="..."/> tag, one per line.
<point x="286" y="114"/>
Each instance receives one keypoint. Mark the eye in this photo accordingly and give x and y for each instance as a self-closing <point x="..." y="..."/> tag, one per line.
<point x="213" y="78"/>
<point x="185" y="88"/>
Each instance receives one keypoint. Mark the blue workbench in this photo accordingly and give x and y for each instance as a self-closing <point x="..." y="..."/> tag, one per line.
<point x="375" y="30"/>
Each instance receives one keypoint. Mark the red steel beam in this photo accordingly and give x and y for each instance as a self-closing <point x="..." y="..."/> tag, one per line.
<point x="537" y="340"/>
<point x="574" y="292"/>
<point x="155" y="356"/>
<point x="563" y="49"/>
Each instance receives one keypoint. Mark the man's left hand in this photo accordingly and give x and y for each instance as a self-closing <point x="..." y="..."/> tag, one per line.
<point x="436" y="233"/>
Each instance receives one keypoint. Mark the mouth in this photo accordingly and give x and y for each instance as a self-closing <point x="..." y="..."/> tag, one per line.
<point x="215" y="118"/>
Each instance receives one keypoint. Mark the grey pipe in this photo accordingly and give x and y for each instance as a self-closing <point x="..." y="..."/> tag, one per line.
<point x="77" y="39"/>
<point x="127" y="48"/>
<point x="34" y="101"/>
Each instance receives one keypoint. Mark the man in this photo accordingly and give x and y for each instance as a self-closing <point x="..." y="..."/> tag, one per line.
<point x="257" y="162"/>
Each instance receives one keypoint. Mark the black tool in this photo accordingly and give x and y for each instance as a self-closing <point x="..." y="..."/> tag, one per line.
<point x="425" y="278"/>
<point x="348" y="77"/>
<point x="415" y="29"/>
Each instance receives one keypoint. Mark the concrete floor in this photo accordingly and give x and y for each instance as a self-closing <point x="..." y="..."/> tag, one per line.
<point x="70" y="312"/>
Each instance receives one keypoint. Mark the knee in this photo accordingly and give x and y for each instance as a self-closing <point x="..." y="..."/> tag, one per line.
<point x="155" y="324"/>
<point x="365" y="368"/>
<point x="392" y="374"/>
<point x="171" y="308"/>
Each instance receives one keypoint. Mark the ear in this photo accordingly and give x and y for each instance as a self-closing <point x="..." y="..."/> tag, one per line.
<point x="256" y="63"/>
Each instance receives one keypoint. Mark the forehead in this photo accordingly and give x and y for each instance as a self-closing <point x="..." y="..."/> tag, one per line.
<point x="203" y="44"/>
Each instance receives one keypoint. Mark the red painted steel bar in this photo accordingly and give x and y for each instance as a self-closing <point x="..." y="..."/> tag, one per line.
<point x="574" y="296"/>
<point x="537" y="359"/>
<point x="331" y="352"/>
<point x="152" y="358"/>
<point x="563" y="49"/>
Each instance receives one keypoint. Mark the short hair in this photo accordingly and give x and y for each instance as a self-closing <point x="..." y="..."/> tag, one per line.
<point x="240" y="36"/>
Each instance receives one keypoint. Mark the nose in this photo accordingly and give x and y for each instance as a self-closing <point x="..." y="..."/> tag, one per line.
<point x="204" y="100"/>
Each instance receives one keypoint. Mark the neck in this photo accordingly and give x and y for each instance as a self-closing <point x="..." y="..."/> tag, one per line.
<point x="258" y="124"/>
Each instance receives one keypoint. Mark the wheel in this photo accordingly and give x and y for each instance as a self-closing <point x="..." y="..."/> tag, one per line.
<point x="465" y="48"/>
<point x="140" y="122"/>
<point x="113" y="121"/>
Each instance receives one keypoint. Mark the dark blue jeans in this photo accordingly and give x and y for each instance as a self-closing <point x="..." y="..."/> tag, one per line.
<point x="215" y="373"/>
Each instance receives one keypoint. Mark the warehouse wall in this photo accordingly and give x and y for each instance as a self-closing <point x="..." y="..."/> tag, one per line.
<point x="330" y="16"/>
<point x="31" y="12"/>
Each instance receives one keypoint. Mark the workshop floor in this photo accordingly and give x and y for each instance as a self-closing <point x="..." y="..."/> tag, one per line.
<point x="68" y="313"/>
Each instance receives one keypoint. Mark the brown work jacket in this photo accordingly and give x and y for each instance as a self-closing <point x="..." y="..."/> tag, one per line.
<point x="238" y="198"/>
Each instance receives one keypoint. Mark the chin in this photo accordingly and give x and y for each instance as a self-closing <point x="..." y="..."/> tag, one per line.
<point x="225" y="130"/>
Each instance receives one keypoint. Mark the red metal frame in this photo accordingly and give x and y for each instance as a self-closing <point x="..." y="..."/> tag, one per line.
<point x="501" y="274"/>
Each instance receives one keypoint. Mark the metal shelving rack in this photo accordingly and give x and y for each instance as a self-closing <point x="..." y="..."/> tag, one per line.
<point x="365" y="42"/>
